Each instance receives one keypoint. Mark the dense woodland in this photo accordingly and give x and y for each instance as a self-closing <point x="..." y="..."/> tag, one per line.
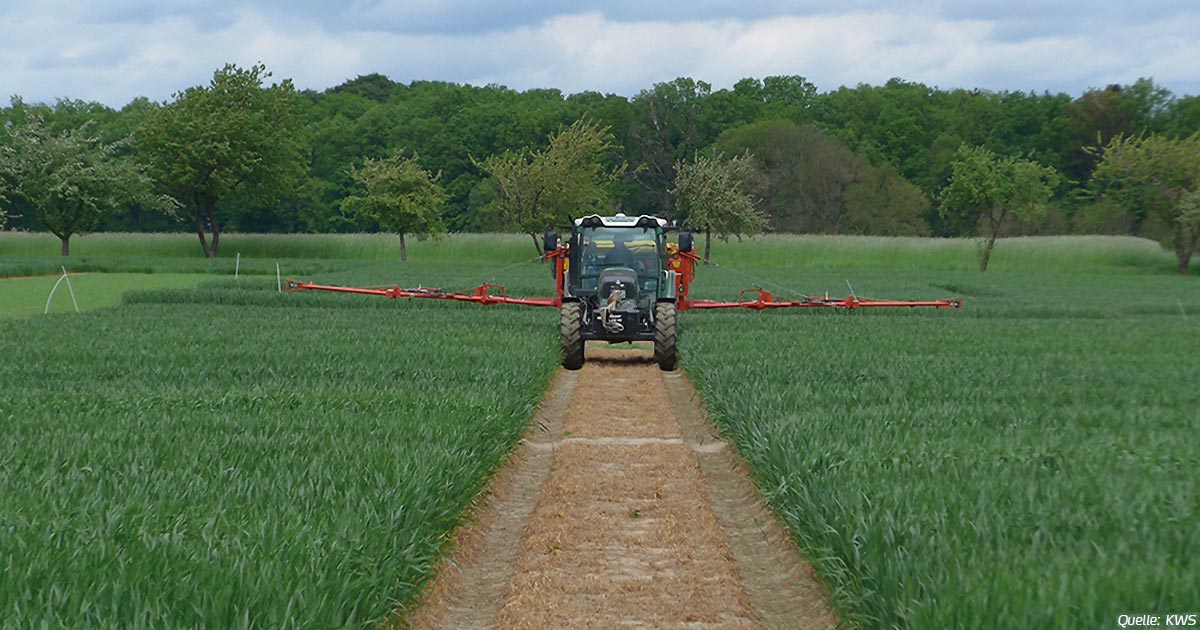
<point x="856" y="160"/>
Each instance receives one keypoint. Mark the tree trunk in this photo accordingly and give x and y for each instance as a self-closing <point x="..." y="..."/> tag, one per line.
<point x="536" y="244"/>
<point x="203" y="239"/>
<point x="994" y="222"/>
<point x="1186" y="240"/>
<point x="216" y="235"/>
<point x="66" y="245"/>
<point x="987" y="252"/>
<point x="707" y="243"/>
<point x="403" y="249"/>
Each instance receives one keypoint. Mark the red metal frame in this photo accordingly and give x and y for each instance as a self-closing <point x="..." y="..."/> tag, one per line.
<point x="682" y="263"/>
<point x="764" y="300"/>
<point x="482" y="294"/>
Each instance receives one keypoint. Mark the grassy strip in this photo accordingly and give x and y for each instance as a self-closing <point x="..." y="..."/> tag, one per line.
<point x="1073" y="254"/>
<point x="483" y="248"/>
<point x="230" y="457"/>
<point x="1027" y="462"/>
<point x="1063" y="254"/>
<point x="22" y="297"/>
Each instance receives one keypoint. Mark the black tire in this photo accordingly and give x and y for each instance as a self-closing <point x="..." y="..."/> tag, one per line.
<point x="569" y="328"/>
<point x="666" y="333"/>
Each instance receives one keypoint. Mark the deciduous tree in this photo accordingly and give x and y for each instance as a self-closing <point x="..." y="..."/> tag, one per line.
<point x="666" y="129"/>
<point x="814" y="184"/>
<point x="993" y="191"/>
<point x="400" y="195"/>
<point x="70" y="179"/>
<point x="231" y="139"/>
<point x="1160" y="178"/>
<point x="716" y="195"/>
<point x="570" y="176"/>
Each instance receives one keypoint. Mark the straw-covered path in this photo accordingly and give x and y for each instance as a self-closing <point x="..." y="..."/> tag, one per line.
<point x="621" y="509"/>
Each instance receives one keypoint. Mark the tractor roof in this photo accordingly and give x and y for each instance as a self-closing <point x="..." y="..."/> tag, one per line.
<point x="620" y="220"/>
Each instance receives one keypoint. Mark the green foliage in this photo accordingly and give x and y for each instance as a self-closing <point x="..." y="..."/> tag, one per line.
<point x="570" y="177"/>
<point x="71" y="180"/>
<point x="3" y="204"/>
<point x="231" y="139"/>
<point x="909" y="131"/>
<point x="716" y="195"/>
<point x="991" y="191"/>
<point x="666" y="127"/>
<point x="896" y="123"/>
<point x="815" y="184"/>
<point x="1159" y="178"/>
<point x="400" y="196"/>
<point x="1026" y="462"/>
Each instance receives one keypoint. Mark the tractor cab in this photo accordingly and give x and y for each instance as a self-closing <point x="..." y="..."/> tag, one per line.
<point x="617" y="285"/>
<point x="633" y="255"/>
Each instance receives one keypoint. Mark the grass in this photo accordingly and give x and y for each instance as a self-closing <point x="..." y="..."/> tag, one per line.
<point x="226" y="456"/>
<point x="1067" y="254"/>
<point x="1061" y="254"/>
<point x="22" y="297"/>
<point x="222" y="455"/>
<point x="482" y="248"/>
<point x="1026" y="462"/>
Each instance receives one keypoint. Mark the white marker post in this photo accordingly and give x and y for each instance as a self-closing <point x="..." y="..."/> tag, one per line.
<point x="278" y="278"/>
<point x="237" y="265"/>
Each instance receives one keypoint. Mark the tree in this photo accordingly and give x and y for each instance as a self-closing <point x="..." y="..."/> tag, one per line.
<point x="400" y="195"/>
<point x="716" y="195"/>
<point x="538" y="189"/>
<point x="1098" y="116"/>
<point x="71" y="179"/>
<point x="666" y="130"/>
<point x="814" y="184"/>
<point x="1158" y="177"/>
<point x="3" y="202"/>
<point x="993" y="191"/>
<point x="234" y="139"/>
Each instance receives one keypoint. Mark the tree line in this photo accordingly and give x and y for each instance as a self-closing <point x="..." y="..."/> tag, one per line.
<point x="245" y="154"/>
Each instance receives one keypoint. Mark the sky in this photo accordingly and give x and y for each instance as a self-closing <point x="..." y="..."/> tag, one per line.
<point x="113" y="51"/>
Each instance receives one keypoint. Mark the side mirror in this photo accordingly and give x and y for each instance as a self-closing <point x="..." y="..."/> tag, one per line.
<point x="685" y="241"/>
<point x="549" y="241"/>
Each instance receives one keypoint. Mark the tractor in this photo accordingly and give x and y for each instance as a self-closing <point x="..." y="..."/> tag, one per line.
<point x="616" y="283"/>
<point x="617" y="279"/>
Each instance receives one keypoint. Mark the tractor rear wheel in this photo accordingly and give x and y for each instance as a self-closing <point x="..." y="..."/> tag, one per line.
<point x="665" y="335"/>
<point x="570" y="329"/>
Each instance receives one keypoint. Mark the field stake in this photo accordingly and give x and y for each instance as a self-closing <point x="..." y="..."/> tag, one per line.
<point x="71" y="289"/>
<point x="278" y="279"/>
<point x="237" y="265"/>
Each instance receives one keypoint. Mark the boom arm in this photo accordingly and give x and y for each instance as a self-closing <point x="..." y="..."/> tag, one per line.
<point x="482" y="294"/>
<point x="684" y="266"/>
<point x="764" y="300"/>
<point x="682" y="263"/>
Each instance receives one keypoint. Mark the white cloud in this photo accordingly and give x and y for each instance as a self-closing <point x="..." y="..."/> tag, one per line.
<point x="61" y="51"/>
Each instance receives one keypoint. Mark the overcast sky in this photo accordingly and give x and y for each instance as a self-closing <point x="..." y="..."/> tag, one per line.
<point x="115" y="50"/>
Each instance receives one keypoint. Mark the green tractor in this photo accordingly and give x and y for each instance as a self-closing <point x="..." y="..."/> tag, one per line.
<point x="618" y="282"/>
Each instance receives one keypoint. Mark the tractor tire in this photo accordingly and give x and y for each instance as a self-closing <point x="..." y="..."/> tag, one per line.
<point x="665" y="334"/>
<point x="570" y="329"/>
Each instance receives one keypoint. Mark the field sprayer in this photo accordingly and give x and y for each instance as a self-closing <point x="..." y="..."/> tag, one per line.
<point x="618" y="279"/>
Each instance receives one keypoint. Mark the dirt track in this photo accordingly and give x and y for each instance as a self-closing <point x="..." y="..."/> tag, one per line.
<point x="622" y="509"/>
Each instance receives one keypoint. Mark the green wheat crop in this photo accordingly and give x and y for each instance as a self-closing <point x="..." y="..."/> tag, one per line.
<point x="1027" y="462"/>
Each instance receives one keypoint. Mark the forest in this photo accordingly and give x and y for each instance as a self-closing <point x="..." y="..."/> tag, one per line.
<point x="869" y="159"/>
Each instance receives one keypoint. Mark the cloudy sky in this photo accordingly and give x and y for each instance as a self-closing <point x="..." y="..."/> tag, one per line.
<point x="115" y="50"/>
